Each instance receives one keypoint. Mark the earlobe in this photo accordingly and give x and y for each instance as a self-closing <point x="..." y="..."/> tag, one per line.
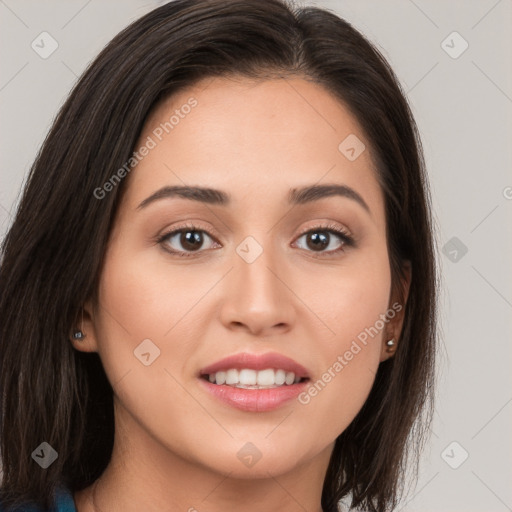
<point x="390" y="346"/>
<point x="80" y="341"/>
<point x="388" y="349"/>
<point x="82" y="337"/>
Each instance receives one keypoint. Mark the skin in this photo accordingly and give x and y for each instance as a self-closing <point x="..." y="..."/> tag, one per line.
<point x="175" y="444"/>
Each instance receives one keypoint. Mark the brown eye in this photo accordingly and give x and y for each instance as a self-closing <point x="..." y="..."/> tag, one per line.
<point x="317" y="241"/>
<point x="191" y="240"/>
<point x="185" y="240"/>
<point x="325" y="239"/>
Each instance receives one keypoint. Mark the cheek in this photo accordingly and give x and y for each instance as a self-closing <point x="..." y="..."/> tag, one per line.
<point x="350" y="300"/>
<point x="146" y="294"/>
<point x="137" y="304"/>
<point x="140" y="315"/>
<point x="337" y="395"/>
<point x="347" y="356"/>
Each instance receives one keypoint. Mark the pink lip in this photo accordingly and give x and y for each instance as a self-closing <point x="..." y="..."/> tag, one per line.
<point x="255" y="400"/>
<point x="257" y="362"/>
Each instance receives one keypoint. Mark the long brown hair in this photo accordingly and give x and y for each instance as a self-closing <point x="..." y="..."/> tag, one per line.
<point x="53" y="253"/>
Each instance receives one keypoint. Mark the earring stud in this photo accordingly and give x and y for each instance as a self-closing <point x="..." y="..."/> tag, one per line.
<point x="79" y="335"/>
<point x="390" y="344"/>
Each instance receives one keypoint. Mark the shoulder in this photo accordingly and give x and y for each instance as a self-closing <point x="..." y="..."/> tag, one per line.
<point x="63" y="502"/>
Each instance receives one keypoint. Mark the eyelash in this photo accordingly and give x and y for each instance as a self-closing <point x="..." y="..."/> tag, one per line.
<point x="345" y="237"/>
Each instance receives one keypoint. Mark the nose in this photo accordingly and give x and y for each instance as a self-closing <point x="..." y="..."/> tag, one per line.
<point x="257" y="298"/>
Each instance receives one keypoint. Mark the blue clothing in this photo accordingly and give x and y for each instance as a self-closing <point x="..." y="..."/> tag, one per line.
<point x="63" y="502"/>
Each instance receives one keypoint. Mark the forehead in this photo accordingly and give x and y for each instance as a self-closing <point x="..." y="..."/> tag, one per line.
<point x="246" y="136"/>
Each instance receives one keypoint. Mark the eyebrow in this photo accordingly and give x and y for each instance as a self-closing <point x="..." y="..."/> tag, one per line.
<point x="296" y="196"/>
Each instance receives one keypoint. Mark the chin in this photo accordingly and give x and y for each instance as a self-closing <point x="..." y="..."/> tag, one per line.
<point x="257" y="459"/>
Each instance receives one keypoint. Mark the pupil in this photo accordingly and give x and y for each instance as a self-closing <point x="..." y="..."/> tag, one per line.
<point x="318" y="241"/>
<point x="191" y="240"/>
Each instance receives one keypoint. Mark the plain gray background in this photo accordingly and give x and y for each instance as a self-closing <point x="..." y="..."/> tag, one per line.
<point x="463" y="106"/>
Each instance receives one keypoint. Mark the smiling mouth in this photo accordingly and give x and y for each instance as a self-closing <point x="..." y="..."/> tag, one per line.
<point x="247" y="378"/>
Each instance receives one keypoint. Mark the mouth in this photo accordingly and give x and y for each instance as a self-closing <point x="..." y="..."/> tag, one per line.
<point x="254" y="382"/>
<point x="247" y="378"/>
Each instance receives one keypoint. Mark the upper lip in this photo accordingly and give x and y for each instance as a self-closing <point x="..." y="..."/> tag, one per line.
<point x="256" y="362"/>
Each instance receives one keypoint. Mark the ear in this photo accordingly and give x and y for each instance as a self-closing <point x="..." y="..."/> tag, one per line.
<point x="397" y="309"/>
<point x="85" y="324"/>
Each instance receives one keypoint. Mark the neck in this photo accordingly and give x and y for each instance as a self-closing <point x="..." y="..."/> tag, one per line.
<point x="144" y="475"/>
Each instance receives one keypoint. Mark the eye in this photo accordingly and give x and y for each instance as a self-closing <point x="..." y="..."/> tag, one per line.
<point x="189" y="240"/>
<point x="185" y="240"/>
<point x="326" y="239"/>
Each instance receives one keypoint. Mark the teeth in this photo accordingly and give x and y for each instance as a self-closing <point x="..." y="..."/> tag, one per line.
<point x="266" y="377"/>
<point x="247" y="377"/>
<point x="280" y="377"/>
<point x="252" y="379"/>
<point x="220" y="377"/>
<point x="290" y="377"/>
<point x="232" y="377"/>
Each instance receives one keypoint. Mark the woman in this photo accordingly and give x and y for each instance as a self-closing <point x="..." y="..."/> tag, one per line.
<point x="219" y="290"/>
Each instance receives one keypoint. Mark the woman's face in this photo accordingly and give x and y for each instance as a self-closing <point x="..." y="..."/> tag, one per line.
<point x="255" y="286"/>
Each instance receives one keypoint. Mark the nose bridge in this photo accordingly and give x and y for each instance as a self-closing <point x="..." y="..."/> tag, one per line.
<point x="259" y="297"/>
<point x="255" y="266"/>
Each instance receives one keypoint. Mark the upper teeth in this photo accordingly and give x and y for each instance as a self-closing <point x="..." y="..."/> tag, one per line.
<point x="252" y="378"/>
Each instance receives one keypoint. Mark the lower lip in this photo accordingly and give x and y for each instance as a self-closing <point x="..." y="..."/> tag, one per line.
<point x="254" y="400"/>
